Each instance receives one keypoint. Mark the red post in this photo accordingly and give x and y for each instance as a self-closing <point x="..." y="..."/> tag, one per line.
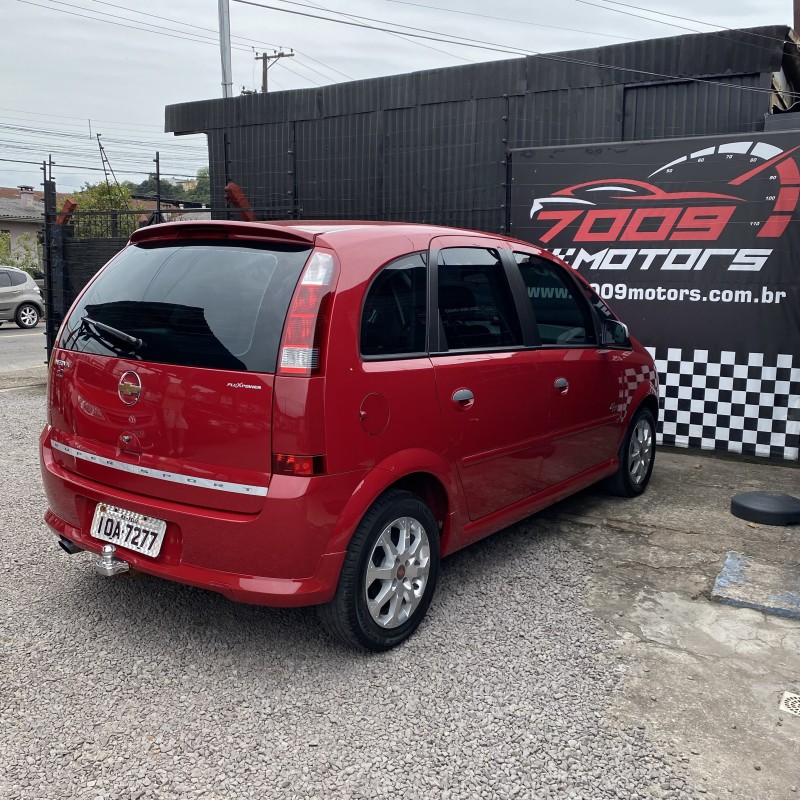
<point x="236" y="197"/>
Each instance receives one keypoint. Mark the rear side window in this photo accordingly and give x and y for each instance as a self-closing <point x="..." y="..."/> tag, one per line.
<point x="475" y="303"/>
<point x="393" y="319"/>
<point x="562" y="314"/>
<point x="18" y="278"/>
<point x="203" y="305"/>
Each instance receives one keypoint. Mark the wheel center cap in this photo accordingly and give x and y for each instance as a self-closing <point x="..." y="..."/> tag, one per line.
<point x="401" y="572"/>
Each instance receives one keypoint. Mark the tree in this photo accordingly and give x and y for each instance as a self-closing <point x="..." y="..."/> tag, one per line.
<point x="105" y="211"/>
<point x="169" y="190"/>
<point x="24" y="255"/>
<point x="105" y="197"/>
<point x="175" y="192"/>
<point x="202" y="191"/>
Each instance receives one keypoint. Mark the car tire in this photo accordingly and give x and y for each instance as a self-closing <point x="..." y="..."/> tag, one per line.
<point x="637" y="454"/>
<point x="767" y="508"/>
<point x="388" y="576"/>
<point x="27" y="316"/>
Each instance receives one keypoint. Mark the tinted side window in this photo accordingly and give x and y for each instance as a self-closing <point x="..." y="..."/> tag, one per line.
<point x="562" y="315"/>
<point x="393" y="319"/>
<point x="18" y="278"/>
<point x="475" y="302"/>
<point x="5" y="278"/>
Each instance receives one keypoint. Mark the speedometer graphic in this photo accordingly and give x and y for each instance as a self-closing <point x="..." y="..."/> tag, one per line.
<point x="750" y="186"/>
<point x="763" y="161"/>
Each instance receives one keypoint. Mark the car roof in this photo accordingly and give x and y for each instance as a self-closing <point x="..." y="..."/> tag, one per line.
<point x="299" y="231"/>
<point x="371" y="242"/>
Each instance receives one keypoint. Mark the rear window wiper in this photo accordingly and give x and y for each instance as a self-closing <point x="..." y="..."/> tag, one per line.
<point x="99" y="328"/>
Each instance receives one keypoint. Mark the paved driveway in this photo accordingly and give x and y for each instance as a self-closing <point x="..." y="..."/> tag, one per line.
<point x="568" y="657"/>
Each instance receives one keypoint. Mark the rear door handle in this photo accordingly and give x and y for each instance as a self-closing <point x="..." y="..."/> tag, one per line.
<point x="562" y="384"/>
<point x="463" y="396"/>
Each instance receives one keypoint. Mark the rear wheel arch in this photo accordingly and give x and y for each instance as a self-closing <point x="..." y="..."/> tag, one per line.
<point x="388" y="576"/>
<point x="432" y="481"/>
<point x="432" y="492"/>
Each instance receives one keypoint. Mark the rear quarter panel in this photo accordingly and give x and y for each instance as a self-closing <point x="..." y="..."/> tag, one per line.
<point x="381" y="416"/>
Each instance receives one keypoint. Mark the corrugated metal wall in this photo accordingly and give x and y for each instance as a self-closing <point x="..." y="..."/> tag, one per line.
<point x="431" y="146"/>
<point x="337" y="163"/>
<point x="670" y="110"/>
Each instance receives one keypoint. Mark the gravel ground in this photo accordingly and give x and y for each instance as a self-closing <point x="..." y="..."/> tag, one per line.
<point x="135" y="687"/>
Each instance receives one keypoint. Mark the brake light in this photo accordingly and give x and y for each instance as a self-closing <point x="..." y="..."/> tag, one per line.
<point x="303" y="335"/>
<point x="304" y="466"/>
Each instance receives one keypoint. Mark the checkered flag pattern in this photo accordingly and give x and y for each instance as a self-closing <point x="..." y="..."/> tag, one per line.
<point x="737" y="402"/>
<point x="630" y="381"/>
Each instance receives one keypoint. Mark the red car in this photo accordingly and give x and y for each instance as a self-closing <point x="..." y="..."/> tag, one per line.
<point x="308" y="413"/>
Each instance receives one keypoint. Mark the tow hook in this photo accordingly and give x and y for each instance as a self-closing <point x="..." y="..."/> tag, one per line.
<point x="108" y="564"/>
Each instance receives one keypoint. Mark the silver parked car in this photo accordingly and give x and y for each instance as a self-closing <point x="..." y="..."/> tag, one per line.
<point x="20" y="298"/>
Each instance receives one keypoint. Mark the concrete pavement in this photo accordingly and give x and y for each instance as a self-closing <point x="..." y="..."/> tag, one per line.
<point x="701" y="679"/>
<point x="704" y="679"/>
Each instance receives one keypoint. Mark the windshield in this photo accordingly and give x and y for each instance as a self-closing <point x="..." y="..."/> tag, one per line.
<point x="214" y="306"/>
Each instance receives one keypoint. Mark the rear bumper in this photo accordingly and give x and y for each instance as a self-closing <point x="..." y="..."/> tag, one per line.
<point x="277" y="557"/>
<point x="253" y="589"/>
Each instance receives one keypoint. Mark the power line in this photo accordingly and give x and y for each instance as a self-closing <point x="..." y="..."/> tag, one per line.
<point x="720" y="33"/>
<point x="400" y="36"/>
<point x="82" y="119"/>
<point x="170" y="32"/>
<point x="640" y="16"/>
<point x="683" y="19"/>
<point x="94" y="169"/>
<point x="499" y="48"/>
<point x="198" y="38"/>
<point x="215" y="32"/>
<point x="506" y="19"/>
<point x="60" y="133"/>
<point x="438" y="38"/>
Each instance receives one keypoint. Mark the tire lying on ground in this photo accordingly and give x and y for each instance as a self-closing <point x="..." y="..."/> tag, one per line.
<point x="768" y="508"/>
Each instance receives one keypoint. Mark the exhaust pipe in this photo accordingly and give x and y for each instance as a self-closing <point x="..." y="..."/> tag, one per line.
<point x="108" y="564"/>
<point x="68" y="547"/>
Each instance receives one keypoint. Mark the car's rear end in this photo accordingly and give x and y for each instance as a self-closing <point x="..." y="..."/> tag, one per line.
<point x="162" y="399"/>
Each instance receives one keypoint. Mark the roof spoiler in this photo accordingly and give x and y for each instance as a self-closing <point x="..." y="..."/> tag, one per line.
<point x="221" y="229"/>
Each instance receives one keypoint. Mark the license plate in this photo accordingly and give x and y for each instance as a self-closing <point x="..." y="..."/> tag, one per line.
<point x="128" y="529"/>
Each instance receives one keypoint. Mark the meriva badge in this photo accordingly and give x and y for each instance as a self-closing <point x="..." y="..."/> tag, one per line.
<point x="130" y="388"/>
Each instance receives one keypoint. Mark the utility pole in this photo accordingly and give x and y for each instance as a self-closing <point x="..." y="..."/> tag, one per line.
<point x="225" y="46"/>
<point x="158" y="186"/>
<point x="265" y="59"/>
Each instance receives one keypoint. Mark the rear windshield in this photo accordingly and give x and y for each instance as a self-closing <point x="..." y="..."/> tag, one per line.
<point x="213" y="306"/>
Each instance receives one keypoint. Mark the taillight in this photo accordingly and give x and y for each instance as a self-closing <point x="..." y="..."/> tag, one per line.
<point x="305" y="466"/>
<point x="304" y="332"/>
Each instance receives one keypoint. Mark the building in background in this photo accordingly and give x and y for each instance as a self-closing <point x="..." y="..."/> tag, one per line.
<point x="433" y="146"/>
<point x="21" y="213"/>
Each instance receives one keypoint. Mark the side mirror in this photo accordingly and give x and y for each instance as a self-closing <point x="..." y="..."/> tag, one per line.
<point x="614" y="333"/>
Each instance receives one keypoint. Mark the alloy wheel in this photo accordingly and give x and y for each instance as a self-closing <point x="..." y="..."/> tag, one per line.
<point x="640" y="452"/>
<point x="397" y="572"/>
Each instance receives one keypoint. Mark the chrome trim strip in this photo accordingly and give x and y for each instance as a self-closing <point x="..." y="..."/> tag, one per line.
<point x="161" y="475"/>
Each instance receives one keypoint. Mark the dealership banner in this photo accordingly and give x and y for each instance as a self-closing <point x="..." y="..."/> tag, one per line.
<point x="695" y="243"/>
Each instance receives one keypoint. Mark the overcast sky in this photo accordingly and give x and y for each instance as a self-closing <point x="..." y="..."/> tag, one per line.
<point x="64" y="66"/>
